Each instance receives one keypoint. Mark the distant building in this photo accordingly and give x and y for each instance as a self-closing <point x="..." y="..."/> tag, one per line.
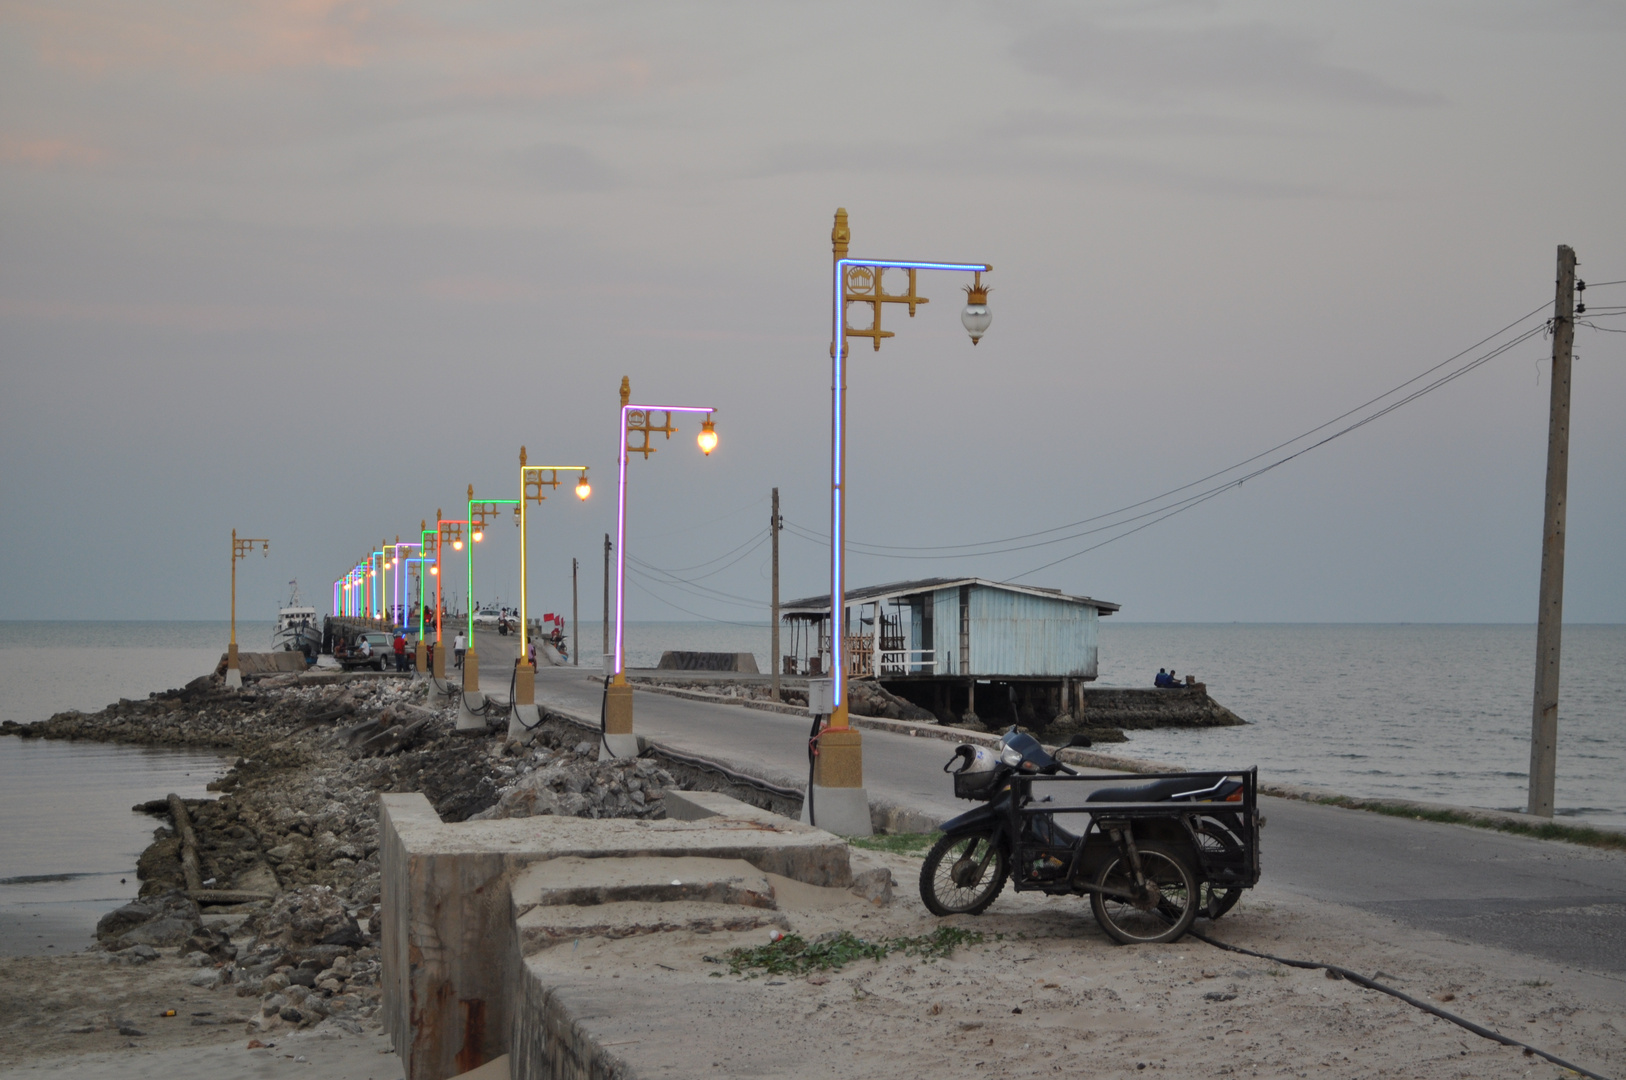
<point x="935" y="640"/>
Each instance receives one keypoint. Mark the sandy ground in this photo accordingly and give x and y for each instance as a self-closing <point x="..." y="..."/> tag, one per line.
<point x="61" y="1015"/>
<point x="1047" y="994"/>
<point x="1055" y="996"/>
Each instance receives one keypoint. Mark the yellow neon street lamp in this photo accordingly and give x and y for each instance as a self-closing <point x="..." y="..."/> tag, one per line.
<point x="240" y="549"/>
<point x="532" y="480"/>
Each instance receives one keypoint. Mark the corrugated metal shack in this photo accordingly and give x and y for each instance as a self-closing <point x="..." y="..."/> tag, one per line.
<point x="953" y="644"/>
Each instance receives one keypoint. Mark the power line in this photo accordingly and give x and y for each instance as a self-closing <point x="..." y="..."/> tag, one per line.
<point x="1238" y="482"/>
<point x="962" y="550"/>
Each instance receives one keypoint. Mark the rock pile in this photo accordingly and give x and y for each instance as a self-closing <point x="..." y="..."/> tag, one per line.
<point x="297" y="824"/>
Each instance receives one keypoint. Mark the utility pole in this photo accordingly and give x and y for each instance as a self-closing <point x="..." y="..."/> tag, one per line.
<point x="1550" y="615"/>
<point x="775" y="523"/>
<point x="575" y="627"/>
<point x="606" y="596"/>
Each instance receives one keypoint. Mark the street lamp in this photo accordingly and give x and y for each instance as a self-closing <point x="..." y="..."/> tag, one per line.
<point x="240" y="549"/>
<point x="635" y="420"/>
<point x="838" y="781"/>
<point x="480" y="512"/>
<point x="532" y="479"/>
<point x="447" y="530"/>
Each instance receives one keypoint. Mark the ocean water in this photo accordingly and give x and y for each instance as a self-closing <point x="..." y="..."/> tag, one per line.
<point x="1434" y="712"/>
<point x="70" y="841"/>
<point x="1413" y="711"/>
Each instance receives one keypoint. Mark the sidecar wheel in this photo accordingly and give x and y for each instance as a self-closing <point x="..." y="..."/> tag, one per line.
<point x="1216" y="840"/>
<point x="1154" y="924"/>
<point x="950" y="882"/>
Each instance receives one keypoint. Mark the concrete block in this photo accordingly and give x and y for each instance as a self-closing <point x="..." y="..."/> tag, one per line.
<point x="467" y="718"/>
<point x="522" y="722"/>
<point x="612" y="745"/>
<point x="841" y="810"/>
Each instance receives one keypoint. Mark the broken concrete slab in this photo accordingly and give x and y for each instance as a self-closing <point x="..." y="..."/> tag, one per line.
<point x="543" y="926"/>
<point x="577" y="881"/>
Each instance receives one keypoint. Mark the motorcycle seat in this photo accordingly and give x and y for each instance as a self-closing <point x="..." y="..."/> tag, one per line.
<point x="1156" y="791"/>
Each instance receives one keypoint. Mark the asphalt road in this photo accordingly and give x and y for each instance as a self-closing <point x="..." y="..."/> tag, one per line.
<point x="1563" y="903"/>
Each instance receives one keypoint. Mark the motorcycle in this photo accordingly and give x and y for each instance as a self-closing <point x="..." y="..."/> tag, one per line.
<point x="1152" y="856"/>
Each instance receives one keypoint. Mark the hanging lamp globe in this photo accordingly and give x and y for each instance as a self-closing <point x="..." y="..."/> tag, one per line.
<point x="976" y="317"/>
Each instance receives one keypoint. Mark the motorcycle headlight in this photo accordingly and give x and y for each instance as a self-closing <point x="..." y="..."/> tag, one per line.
<point x="1011" y="756"/>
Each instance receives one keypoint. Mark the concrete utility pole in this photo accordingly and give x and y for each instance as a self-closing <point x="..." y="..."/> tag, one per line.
<point x="575" y="625"/>
<point x="606" y="597"/>
<point x="775" y="522"/>
<point x="1550" y="615"/>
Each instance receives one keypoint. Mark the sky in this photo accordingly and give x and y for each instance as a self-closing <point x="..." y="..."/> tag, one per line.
<point x="309" y="268"/>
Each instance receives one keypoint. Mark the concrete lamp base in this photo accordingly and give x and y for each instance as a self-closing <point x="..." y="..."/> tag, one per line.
<point x="467" y="718"/>
<point x="841" y="810"/>
<point x="619" y="741"/>
<point x="840" y="803"/>
<point x="621" y="746"/>
<point x="522" y="723"/>
<point x="234" y="673"/>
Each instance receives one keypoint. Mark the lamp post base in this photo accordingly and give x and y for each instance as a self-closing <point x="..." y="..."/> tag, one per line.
<point x="841" y="810"/>
<point x="467" y="718"/>
<point x="618" y="741"/>
<point x="420" y="658"/>
<point x="234" y="679"/>
<point x="522" y="723"/>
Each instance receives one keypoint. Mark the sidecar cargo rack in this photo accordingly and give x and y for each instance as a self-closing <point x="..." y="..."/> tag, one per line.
<point x="1240" y="818"/>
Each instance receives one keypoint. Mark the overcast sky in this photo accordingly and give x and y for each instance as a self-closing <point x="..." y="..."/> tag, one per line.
<point x="309" y="268"/>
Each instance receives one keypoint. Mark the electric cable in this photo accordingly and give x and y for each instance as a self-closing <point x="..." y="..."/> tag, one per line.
<point x="758" y="537"/>
<point x="855" y="546"/>
<point x="1372" y="984"/>
<point x="703" y="592"/>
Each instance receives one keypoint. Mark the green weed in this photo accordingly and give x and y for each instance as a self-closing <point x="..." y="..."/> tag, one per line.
<point x="906" y="843"/>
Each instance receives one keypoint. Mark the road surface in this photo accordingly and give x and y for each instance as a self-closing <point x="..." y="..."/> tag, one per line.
<point x="1561" y="902"/>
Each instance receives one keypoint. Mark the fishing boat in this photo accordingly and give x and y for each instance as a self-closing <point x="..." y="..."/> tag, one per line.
<point x="297" y="628"/>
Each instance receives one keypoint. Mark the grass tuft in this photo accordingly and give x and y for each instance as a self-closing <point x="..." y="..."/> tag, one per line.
<point x="795" y="955"/>
<point x="905" y="843"/>
<point x="1547" y="830"/>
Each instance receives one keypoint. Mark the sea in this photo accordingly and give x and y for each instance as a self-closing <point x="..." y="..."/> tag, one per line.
<point x="1423" y="711"/>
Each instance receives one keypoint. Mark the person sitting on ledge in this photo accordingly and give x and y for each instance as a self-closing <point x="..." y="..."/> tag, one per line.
<point x="1162" y="678"/>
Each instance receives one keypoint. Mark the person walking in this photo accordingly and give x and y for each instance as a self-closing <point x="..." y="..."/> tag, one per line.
<point x="400" y="651"/>
<point x="458" y="645"/>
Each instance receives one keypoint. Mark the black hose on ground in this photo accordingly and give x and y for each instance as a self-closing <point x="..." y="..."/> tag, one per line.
<point x="812" y="758"/>
<point x="603" y="718"/>
<point x="1372" y="984"/>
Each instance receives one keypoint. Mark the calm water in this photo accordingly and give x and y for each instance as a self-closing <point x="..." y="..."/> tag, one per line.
<point x="1429" y="712"/>
<point x="69" y="844"/>
<point x="1433" y="712"/>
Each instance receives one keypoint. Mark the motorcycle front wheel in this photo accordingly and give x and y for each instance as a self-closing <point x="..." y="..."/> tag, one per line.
<point x="963" y="873"/>
<point x="1149" y="918"/>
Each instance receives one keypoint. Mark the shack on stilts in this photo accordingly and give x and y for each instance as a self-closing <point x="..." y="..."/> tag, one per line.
<point x="962" y="648"/>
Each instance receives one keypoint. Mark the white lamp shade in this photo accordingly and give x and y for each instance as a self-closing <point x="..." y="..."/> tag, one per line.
<point x="976" y="318"/>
